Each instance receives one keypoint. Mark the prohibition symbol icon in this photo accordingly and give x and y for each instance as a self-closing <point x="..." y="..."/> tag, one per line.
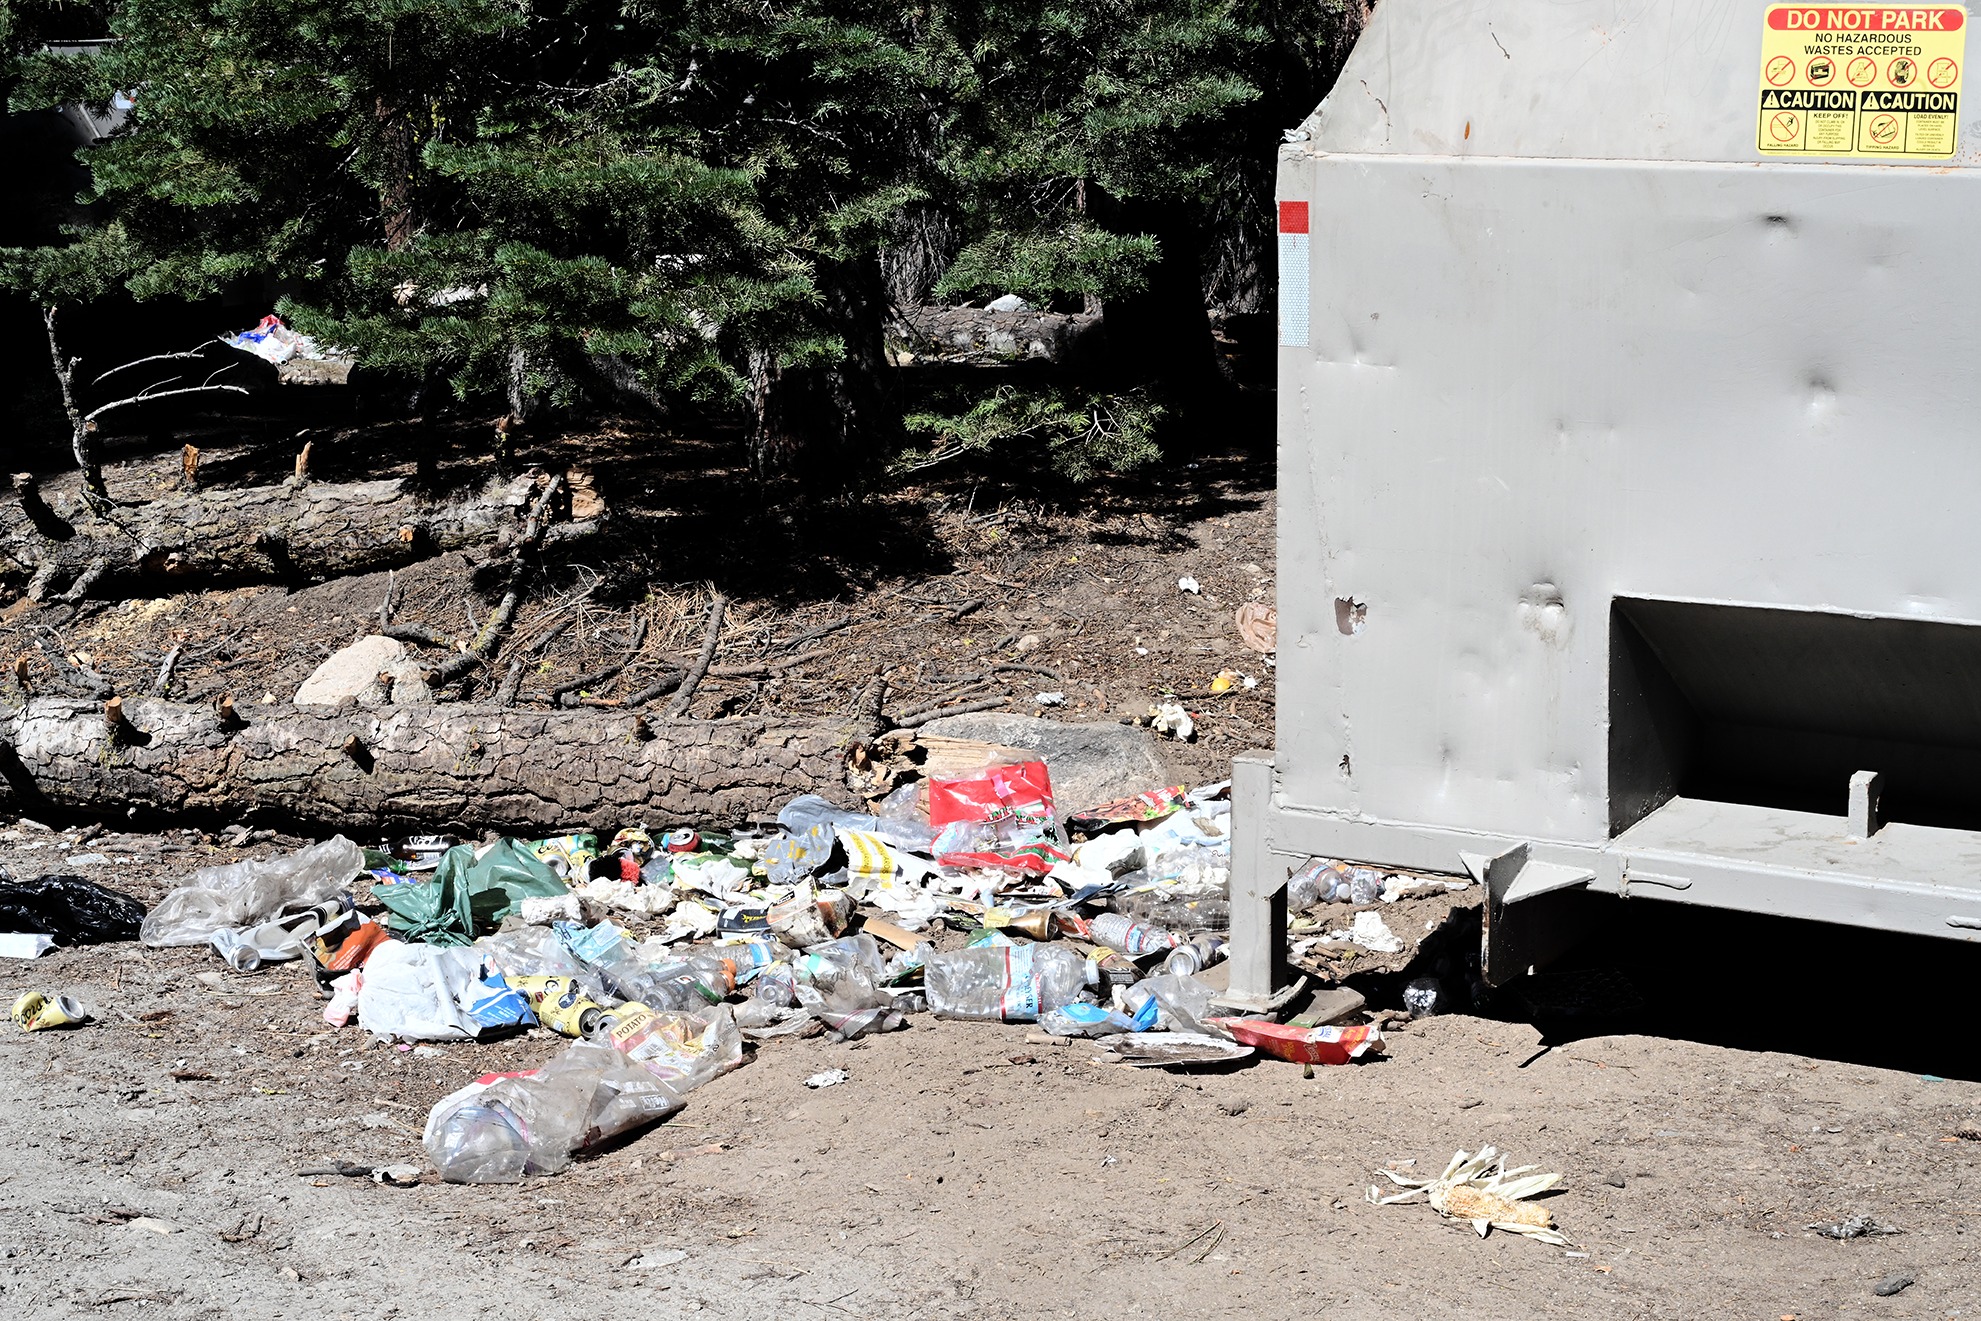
<point x="1903" y="72"/>
<point x="1821" y="70"/>
<point x="1861" y="71"/>
<point x="1784" y="125"/>
<point x="1883" y="130"/>
<point x="1781" y="71"/>
<point x="1942" y="72"/>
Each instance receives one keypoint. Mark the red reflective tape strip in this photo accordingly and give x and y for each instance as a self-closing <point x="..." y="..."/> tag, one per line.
<point x="1293" y="217"/>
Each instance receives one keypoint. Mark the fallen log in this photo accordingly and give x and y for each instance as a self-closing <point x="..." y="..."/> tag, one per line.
<point x="451" y="767"/>
<point x="295" y="531"/>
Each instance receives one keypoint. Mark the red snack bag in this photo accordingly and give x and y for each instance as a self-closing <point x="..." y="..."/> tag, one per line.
<point x="1001" y="816"/>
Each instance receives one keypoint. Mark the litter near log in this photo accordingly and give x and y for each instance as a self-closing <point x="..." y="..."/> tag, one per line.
<point x="1480" y="1188"/>
<point x="666" y="956"/>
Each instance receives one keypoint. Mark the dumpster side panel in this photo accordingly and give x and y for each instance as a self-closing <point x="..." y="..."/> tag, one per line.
<point x="1533" y="386"/>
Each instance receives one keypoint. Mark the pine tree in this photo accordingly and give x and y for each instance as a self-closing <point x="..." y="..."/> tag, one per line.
<point x="528" y="200"/>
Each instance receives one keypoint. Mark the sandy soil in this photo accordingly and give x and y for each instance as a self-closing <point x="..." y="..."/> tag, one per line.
<point x="962" y="1170"/>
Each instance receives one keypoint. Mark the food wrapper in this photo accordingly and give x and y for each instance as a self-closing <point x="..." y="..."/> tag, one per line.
<point x="1140" y="809"/>
<point x="681" y="1050"/>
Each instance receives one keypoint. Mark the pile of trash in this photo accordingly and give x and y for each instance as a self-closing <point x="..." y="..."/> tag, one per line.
<point x="660" y="954"/>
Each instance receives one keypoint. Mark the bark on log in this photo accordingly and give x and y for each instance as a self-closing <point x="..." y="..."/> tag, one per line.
<point x="294" y="531"/>
<point x="460" y="768"/>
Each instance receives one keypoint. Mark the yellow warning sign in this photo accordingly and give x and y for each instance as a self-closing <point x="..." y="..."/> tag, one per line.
<point x="1866" y="82"/>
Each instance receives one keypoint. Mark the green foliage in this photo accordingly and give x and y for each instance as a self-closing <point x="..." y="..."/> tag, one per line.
<point x="499" y="193"/>
<point x="1041" y="265"/>
<point x="1084" y="433"/>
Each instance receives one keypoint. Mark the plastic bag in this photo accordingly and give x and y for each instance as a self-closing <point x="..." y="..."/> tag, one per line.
<point x="420" y="992"/>
<point x="1006" y="982"/>
<point x="71" y="909"/>
<point x="1194" y="871"/>
<point x="245" y="893"/>
<point x="1000" y="817"/>
<point x="800" y="855"/>
<point x="503" y="1126"/>
<point x="469" y="892"/>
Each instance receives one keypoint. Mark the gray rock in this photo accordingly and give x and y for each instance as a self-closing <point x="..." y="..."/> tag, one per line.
<point x="1328" y="1004"/>
<point x="354" y="673"/>
<point x="1090" y="764"/>
<point x="1892" y="1284"/>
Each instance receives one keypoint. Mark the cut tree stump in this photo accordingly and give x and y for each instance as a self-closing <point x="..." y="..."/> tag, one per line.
<point x="295" y="531"/>
<point x="454" y="767"/>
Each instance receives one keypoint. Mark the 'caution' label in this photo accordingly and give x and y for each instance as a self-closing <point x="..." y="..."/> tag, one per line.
<point x="1867" y="82"/>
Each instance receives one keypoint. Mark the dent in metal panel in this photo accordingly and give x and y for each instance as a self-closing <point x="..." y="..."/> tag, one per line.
<point x="1584" y="381"/>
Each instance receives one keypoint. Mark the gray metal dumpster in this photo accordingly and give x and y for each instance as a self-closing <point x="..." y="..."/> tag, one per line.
<point x="1629" y="456"/>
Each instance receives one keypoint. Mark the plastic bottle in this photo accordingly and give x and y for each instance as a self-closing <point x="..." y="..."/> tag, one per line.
<point x="1324" y="881"/>
<point x="1424" y="997"/>
<point x="823" y="965"/>
<point x="1008" y="983"/>
<point x="691" y="983"/>
<point x="747" y="958"/>
<point x="1122" y="933"/>
<point x="1183" y="1002"/>
<point x="777" y="985"/>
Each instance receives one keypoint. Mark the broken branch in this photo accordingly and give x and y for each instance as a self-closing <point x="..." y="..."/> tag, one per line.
<point x="679" y="706"/>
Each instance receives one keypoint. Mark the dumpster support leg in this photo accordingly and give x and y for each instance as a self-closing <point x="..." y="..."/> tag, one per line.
<point x="1259" y="978"/>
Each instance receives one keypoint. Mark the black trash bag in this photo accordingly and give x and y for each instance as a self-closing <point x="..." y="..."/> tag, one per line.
<point x="69" y="908"/>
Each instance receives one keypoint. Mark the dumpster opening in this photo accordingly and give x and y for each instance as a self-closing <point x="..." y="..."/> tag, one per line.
<point x="1779" y="708"/>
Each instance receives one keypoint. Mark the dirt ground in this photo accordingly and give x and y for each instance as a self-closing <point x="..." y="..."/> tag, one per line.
<point x="1760" y="1080"/>
<point x="961" y="1170"/>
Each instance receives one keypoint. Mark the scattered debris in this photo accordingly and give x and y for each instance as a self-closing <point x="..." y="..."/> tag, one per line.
<point x="1857" y="1226"/>
<point x="1480" y="1188"/>
<point x="1258" y="626"/>
<point x="829" y="1078"/>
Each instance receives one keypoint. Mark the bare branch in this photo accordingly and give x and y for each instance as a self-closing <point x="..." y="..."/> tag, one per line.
<point x="156" y="357"/>
<point x="164" y="394"/>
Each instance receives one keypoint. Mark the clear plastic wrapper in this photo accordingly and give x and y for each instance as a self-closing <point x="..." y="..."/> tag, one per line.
<point x="241" y="894"/>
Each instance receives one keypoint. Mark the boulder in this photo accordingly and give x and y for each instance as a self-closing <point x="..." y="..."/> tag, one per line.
<point x="355" y="672"/>
<point x="1090" y="764"/>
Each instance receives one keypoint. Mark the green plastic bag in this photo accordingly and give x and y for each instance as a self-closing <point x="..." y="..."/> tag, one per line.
<point x="467" y="894"/>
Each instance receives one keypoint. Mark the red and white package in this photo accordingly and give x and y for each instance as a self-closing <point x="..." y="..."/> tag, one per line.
<point x="999" y="817"/>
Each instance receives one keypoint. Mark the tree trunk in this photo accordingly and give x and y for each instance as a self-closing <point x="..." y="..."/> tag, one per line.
<point x="1162" y="334"/>
<point x="451" y="768"/>
<point x="828" y="424"/>
<point x="286" y="533"/>
<point x="398" y="149"/>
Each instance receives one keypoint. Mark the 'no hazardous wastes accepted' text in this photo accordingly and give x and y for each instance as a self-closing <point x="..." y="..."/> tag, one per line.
<point x="1866" y="82"/>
